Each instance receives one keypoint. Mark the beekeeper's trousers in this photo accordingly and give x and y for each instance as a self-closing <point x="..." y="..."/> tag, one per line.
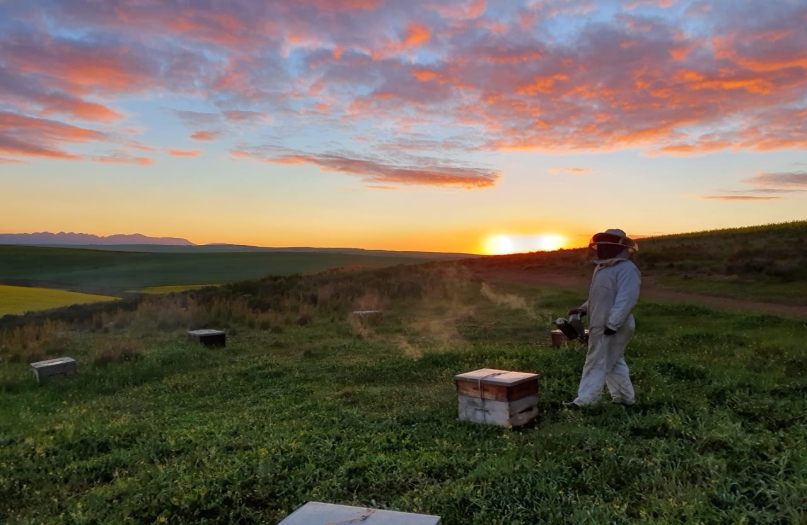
<point x="605" y="365"/>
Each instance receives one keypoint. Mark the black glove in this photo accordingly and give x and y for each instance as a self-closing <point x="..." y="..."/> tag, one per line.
<point x="577" y="311"/>
<point x="608" y="331"/>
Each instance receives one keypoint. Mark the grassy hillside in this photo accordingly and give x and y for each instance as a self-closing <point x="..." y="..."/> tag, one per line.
<point x="112" y="272"/>
<point x="759" y="263"/>
<point x="18" y="300"/>
<point x="305" y="404"/>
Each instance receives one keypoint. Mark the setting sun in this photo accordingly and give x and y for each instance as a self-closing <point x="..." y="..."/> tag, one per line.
<point x="505" y="244"/>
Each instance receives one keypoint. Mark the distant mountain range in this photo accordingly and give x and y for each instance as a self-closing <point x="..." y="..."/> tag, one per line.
<point x="85" y="239"/>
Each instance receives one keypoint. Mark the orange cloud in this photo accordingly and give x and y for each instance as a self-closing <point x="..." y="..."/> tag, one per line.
<point x="632" y="80"/>
<point x="571" y="171"/>
<point x="34" y="137"/>
<point x="417" y="35"/>
<point x="185" y="153"/>
<point x="206" y="136"/>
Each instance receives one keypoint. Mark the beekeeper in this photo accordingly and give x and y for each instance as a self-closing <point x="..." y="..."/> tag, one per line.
<point x="613" y="293"/>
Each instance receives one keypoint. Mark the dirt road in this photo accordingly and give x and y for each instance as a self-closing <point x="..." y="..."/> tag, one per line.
<point x="650" y="291"/>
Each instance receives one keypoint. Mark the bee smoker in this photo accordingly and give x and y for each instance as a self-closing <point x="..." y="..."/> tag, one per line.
<point x="573" y="328"/>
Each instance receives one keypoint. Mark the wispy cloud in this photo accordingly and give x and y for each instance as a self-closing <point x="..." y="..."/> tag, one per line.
<point x="740" y="198"/>
<point x="123" y="158"/>
<point x="206" y="136"/>
<point x="376" y="171"/>
<point x="184" y="153"/>
<point x="638" y="78"/>
<point x="793" y="179"/>
<point x="571" y="171"/>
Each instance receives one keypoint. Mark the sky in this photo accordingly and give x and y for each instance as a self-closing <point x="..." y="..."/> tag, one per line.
<point x="455" y="125"/>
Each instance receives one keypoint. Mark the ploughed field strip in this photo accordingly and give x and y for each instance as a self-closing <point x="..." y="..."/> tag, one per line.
<point x="307" y="403"/>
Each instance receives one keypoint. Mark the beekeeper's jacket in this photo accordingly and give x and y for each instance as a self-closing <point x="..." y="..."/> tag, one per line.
<point x="613" y="294"/>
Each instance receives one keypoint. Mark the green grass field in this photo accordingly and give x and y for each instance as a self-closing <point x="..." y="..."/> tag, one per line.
<point x="305" y="405"/>
<point x="18" y="300"/>
<point x="111" y="272"/>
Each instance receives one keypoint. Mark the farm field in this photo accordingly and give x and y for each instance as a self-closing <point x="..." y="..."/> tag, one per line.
<point x="307" y="404"/>
<point x="17" y="300"/>
<point x="115" y="272"/>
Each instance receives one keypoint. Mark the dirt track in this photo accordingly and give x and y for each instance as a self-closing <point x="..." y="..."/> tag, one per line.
<point x="650" y="291"/>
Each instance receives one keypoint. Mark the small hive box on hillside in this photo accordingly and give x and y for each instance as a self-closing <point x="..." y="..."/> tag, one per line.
<point x="215" y="338"/>
<point x="369" y="317"/>
<point x="53" y="368"/>
<point x="313" y="513"/>
<point x="497" y="397"/>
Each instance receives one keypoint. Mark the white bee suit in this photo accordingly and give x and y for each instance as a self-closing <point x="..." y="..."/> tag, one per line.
<point x="613" y="294"/>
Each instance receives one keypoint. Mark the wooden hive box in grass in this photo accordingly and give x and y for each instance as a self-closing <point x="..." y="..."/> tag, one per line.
<point x="313" y="513"/>
<point x="53" y="368"/>
<point x="497" y="397"/>
<point x="215" y="338"/>
<point x="369" y="317"/>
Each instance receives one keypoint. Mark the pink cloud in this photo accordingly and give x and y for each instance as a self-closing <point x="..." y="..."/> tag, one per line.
<point x="750" y="198"/>
<point x="185" y="153"/>
<point x="206" y="136"/>
<point x="34" y="137"/>
<point x="631" y="80"/>
<point x="375" y="171"/>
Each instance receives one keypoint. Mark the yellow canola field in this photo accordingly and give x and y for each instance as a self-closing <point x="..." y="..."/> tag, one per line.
<point x="20" y="299"/>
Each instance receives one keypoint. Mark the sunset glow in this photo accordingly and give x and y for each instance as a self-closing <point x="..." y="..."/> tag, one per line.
<point x="505" y="244"/>
<point x="447" y="125"/>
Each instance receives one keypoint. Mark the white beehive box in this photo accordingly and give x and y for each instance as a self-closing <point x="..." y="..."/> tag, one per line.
<point x="497" y="397"/>
<point x="313" y="513"/>
<point x="53" y="368"/>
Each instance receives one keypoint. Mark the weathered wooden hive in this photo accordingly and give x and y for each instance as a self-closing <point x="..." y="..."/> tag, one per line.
<point x="313" y="513"/>
<point x="215" y="338"/>
<point x="369" y="317"/>
<point x="497" y="397"/>
<point x="53" y="368"/>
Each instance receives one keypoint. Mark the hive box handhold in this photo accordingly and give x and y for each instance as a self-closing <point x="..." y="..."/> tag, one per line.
<point x="216" y="338"/>
<point x="53" y="368"/>
<point x="497" y="397"/>
<point x="313" y="513"/>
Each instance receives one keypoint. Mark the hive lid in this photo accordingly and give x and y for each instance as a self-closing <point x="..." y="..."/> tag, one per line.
<point x="51" y="362"/>
<point x="206" y="332"/>
<point x="493" y="376"/>
<point x="313" y="513"/>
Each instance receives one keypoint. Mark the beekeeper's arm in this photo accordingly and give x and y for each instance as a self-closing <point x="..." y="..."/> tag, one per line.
<point x="628" y="281"/>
